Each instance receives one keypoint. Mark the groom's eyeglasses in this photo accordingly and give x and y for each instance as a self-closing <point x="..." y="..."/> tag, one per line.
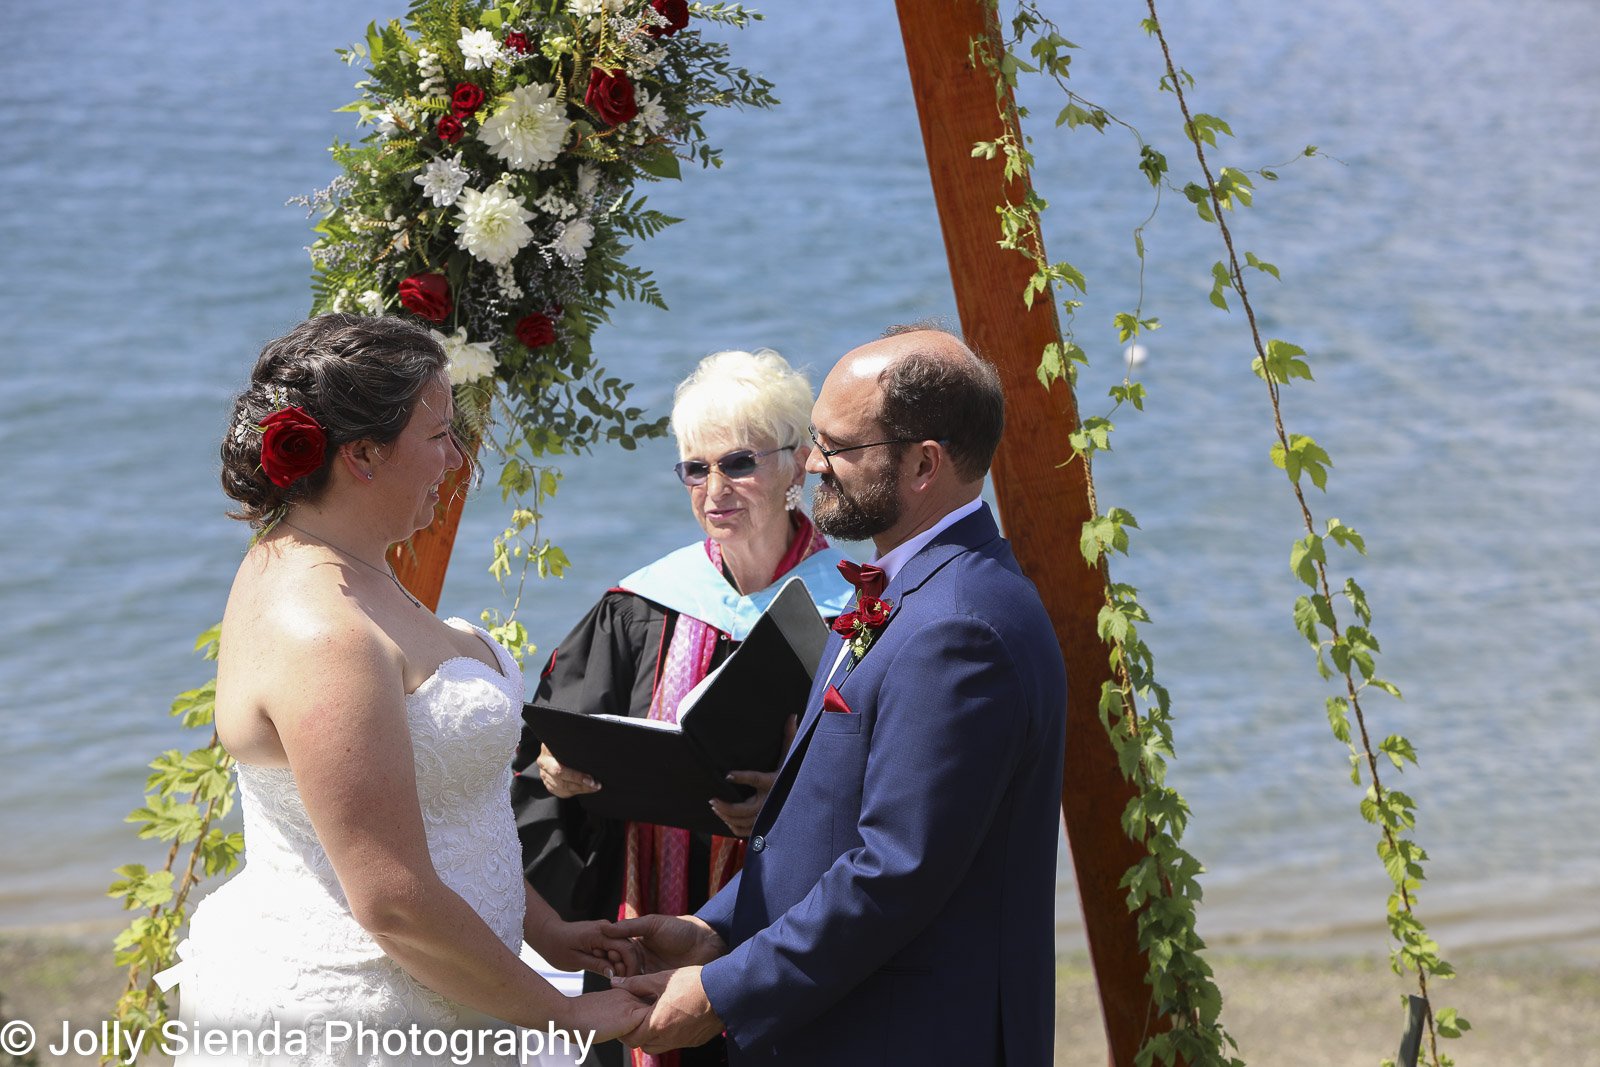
<point x="739" y="464"/>
<point x="829" y="453"/>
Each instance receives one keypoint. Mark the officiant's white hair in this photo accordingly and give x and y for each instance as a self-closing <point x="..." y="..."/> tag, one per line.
<point x="754" y="397"/>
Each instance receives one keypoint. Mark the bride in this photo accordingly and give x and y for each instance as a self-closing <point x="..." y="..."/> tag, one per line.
<point x="383" y="883"/>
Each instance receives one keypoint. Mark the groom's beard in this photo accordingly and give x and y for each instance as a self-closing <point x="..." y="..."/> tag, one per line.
<point x="859" y="516"/>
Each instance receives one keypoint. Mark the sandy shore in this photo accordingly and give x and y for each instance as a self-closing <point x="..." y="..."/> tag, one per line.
<point x="1527" y="1009"/>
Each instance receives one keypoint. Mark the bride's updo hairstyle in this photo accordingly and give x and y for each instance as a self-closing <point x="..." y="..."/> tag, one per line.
<point x="358" y="377"/>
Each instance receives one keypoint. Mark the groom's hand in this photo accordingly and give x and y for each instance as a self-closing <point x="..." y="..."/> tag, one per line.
<point x="670" y="940"/>
<point x="681" y="1017"/>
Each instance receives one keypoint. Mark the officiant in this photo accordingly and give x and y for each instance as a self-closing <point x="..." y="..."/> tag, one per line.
<point x="740" y="420"/>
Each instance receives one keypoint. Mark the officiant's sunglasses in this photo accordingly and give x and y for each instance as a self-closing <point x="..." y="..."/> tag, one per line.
<point x="738" y="464"/>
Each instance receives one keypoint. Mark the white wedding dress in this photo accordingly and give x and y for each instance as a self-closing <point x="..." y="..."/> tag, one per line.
<point x="276" y="947"/>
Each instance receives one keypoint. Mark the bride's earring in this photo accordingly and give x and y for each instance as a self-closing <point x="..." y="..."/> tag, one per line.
<point x="792" y="498"/>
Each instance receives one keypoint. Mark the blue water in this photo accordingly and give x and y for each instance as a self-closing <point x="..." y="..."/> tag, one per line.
<point x="1440" y="273"/>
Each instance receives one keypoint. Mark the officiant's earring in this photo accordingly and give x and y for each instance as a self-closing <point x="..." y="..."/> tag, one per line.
<point x="792" y="498"/>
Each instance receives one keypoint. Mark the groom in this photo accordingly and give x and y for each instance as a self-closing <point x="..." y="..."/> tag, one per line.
<point x="897" y="899"/>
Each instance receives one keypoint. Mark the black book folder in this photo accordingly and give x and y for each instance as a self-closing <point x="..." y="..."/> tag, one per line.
<point x="667" y="773"/>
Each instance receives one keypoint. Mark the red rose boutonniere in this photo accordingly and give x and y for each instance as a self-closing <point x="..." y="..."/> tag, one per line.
<point x="862" y="626"/>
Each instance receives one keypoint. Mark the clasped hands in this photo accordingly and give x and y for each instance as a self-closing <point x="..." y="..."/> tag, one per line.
<point x="673" y="947"/>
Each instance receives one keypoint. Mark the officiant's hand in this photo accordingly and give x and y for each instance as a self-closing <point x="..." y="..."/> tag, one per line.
<point x="681" y="1015"/>
<point x="562" y="781"/>
<point x="670" y="941"/>
<point x="741" y="817"/>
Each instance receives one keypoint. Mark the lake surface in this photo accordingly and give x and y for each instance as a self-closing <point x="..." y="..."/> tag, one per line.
<point x="1440" y="270"/>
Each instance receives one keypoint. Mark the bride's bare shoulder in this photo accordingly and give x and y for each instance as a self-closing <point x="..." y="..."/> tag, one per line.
<point x="289" y="608"/>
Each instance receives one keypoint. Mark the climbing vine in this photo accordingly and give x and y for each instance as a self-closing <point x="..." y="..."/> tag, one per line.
<point x="1134" y="707"/>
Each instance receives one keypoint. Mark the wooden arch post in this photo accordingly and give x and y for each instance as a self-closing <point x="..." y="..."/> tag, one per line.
<point x="1042" y="504"/>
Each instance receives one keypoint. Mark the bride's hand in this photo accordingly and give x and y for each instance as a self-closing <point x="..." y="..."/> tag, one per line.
<point x="591" y="946"/>
<point x="671" y="941"/>
<point x="609" y="1014"/>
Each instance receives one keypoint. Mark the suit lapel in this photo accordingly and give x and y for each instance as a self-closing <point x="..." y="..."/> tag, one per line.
<point x="972" y="532"/>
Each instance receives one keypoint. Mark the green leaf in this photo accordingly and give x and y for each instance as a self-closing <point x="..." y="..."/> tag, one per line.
<point x="1304" y="456"/>
<point x="1339" y="718"/>
<point x="208" y="641"/>
<point x="1358" y="600"/>
<point x="1451" y="1023"/>
<point x="1303" y="558"/>
<point x="662" y="163"/>
<point x="1346" y="536"/>
<point x="1282" y="362"/>
<point x="1220" y="281"/>
<point x="1250" y="258"/>
<point x="1200" y="197"/>
<point x="1204" y="128"/>
<point x="1398" y="749"/>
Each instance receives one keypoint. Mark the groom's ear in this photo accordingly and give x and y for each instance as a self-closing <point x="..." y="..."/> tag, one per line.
<point x="928" y="459"/>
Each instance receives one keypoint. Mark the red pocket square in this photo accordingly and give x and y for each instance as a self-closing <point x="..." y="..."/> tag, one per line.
<point x="832" y="701"/>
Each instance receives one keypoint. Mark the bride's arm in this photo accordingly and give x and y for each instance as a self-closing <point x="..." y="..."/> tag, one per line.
<point x="340" y="713"/>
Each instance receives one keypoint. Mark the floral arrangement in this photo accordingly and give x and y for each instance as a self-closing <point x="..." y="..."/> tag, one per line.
<point x="861" y="627"/>
<point x="493" y="194"/>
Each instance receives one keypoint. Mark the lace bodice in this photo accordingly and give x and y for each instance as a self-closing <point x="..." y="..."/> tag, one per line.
<point x="278" y="941"/>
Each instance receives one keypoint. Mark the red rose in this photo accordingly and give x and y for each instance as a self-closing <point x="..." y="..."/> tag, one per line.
<point x="676" y="12"/>
<point x="535" y="330"/>
<point x="874" y="612"/>
<point x="428" y="296"/>
<point x="292" y="446"/>
<point x="845" y="625"/>
<point x="449" y="129"/>
<point x="465" y="100"/>
<point x="610" y="96"/>
<point x="517" y="42"/>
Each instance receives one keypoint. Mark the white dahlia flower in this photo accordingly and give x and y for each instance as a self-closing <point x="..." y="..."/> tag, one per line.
<point x="572" y="243"/>
<point x="442" y="181"/>
<point x="528" y="129"/>
<point x="479" y="49"/>
<point x="493" y="224"/>
<point x="469" y="360"/>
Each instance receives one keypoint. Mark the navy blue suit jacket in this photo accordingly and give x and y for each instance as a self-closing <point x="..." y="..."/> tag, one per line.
<point x="897" y="903"/>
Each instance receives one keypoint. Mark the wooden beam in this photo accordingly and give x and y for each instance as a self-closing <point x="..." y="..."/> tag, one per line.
<point x="1042" y="503"/>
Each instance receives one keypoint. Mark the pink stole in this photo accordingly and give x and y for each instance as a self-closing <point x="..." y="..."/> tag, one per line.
<point x="656" y="873"/>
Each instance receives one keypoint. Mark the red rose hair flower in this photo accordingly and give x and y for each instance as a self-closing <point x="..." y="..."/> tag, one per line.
<point x="293" y="445"/>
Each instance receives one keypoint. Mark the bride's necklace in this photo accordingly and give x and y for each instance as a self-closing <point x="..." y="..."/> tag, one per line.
<point x="386" y="571"/>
